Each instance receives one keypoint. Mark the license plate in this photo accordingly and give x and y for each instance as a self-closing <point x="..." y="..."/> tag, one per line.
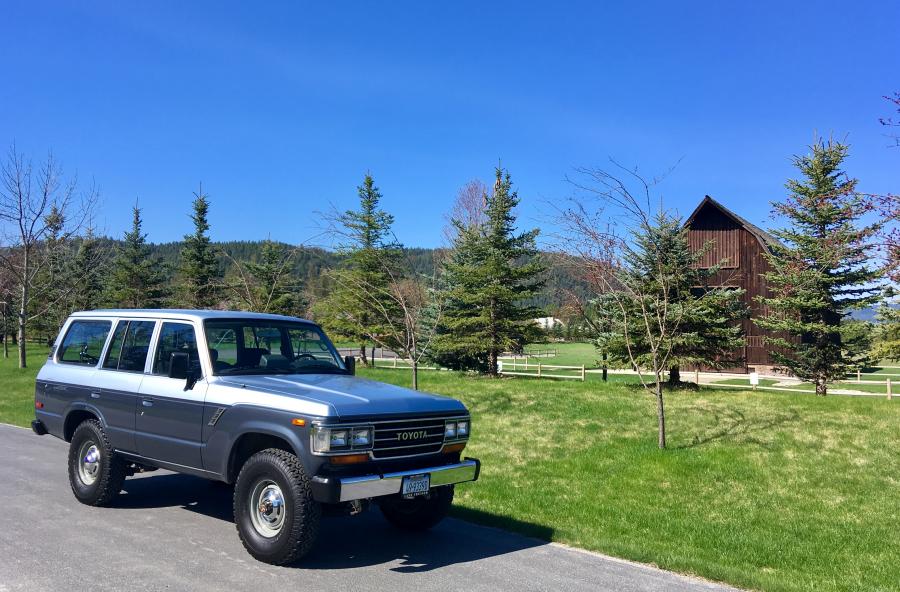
<point x="414" y="485"/>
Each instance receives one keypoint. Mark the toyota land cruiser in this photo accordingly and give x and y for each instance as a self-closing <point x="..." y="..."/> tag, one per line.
<point x="260" y="401"/>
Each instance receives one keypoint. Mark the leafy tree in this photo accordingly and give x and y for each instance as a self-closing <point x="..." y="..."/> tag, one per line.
<point x="200" y="285"/>
<point x="491" y="272"/>
<point x="137" y="279"/>
<point x="371" y="258"/>
<point x="822" y="270"/>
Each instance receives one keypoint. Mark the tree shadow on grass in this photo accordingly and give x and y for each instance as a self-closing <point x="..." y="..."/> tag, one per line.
<point x="355" y="541"/>
<point x="734" y="425"/>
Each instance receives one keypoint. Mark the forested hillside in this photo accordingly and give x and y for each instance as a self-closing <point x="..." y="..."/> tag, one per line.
<point x="310" y="262"/>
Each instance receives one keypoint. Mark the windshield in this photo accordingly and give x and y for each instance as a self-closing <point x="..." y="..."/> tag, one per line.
<point x="257" y="346"/>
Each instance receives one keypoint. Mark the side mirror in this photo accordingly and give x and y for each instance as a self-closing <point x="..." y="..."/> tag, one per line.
<point x="178" y="365"/>
<point x="350" y="364"/>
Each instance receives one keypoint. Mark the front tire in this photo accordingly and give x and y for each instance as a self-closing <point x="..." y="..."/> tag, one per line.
<point x="96" y="473"/>
<point x="276" y="516"/>
<point x="419" y="513"/>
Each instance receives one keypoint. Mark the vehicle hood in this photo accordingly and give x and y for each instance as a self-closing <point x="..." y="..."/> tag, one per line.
<point x="348" y="395"/>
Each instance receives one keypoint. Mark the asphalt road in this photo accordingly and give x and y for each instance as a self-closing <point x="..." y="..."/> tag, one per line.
<point x="174" y="532"/>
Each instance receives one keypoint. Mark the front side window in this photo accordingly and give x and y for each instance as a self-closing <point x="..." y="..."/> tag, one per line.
<point x="256" y="346"/>
<point x="83" y="342"/>
<point x="175" y="338"/>
<point x="130" y="346"/>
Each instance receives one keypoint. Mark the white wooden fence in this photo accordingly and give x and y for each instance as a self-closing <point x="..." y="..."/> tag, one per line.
<point x="538" y="370"/>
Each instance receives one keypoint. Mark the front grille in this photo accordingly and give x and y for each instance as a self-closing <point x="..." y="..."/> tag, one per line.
<point x="408" y="437"/>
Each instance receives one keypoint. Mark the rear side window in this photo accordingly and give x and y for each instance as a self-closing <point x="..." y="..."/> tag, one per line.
<point x="130" y="346"/>
<point x="83" y="342"/>
<point x="175" y="338"/>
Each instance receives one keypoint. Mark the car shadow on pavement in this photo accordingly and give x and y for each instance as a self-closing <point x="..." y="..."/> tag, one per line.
<point x="352" y="541"/>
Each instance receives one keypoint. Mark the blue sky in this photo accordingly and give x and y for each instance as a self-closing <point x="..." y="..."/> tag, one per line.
<point x="280" y="108"/>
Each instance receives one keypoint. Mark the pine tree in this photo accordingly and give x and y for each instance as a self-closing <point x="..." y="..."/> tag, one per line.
<point x="137" y="279"/>
<point x="491" y="274"/>
<point x="677" y="317"/>
<point x="274" y="288"/>
<point x="89" y="266"/>
<point x="822" y="270"/>
<point x="371" y="260"/>
<point x="200" y="285"/>
<point x="886" y="335"/>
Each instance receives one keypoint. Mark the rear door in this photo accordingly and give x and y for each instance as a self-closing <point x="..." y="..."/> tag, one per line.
<point x="169" y="418"/>
<point x="119" y="379"/>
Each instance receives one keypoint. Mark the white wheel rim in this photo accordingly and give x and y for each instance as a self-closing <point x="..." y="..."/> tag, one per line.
<point x="88" y="463"/>
<point x="267" y="508"/>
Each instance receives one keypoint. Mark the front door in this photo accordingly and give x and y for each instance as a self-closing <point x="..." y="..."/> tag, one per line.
<point x="169" y="419"/>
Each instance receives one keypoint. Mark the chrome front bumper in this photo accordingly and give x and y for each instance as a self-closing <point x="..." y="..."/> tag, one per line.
<point x="344" y="489"/>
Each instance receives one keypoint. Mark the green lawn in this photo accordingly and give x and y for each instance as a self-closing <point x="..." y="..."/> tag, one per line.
<point x="765" y="490"/>
<point x="17" y="396"/>
<point x="569" y="354"/>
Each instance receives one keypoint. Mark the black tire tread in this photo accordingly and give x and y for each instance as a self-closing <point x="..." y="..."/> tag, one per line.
<point x="112" y="472"/>
<point x="305" y="530"/>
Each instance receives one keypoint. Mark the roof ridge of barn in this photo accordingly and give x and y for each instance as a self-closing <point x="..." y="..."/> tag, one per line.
<point x="764" y="238"/>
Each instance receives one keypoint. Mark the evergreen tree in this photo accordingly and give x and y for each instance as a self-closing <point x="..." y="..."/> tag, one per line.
<point x="274" y="288"/>
<point x="491" y="273"/>
<point x="678" y="318"/>
<point x="199" y="272"/>
<point x="886" y="335"/>
<point x="89" y="266"/>
<point x="371" y="260"/>
<point x="137" y="279"/>
<point x="822" y="270"/>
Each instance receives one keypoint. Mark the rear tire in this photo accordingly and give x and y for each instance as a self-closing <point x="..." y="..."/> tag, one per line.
<point x="419" y="513"/>
<point x="276" y="516"/>
<point x="96" y="473"/>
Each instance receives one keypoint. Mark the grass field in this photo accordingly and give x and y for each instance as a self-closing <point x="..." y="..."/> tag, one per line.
<point x="569" y="354"/>
<point x="764" y="490"/>
<point x="767" y="490"/>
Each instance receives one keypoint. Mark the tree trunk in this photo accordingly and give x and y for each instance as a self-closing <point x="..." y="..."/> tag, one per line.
<point x="821" y="388"/>
<point x="373" y="355"/>
<point x="415" y="371"/>
<point x="604" y="366"/>
<point x="362" y="355"/>
<point x="492" y="362"/>
<point x="661" y="415"/>
<point x="5" y="343"/>
<point x="23" y="318"/>
<point x="674" y="375"/>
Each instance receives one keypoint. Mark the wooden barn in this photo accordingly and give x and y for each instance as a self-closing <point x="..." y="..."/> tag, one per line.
<point x="741" y="246"/>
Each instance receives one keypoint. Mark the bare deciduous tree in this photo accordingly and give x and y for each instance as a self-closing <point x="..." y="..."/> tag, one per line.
<point x="599" y="228"/>
<point x="408" y="312"/>
<point x="34" y="204"/>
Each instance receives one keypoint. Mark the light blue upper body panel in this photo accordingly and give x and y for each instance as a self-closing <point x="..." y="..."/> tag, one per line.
<point x="341" y="395"/>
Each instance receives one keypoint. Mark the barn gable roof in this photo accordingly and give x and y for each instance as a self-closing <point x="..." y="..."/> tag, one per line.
<point x="764" y="238"/>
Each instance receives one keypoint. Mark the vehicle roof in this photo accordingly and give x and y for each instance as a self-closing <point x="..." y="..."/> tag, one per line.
<point x="183" y="314"/>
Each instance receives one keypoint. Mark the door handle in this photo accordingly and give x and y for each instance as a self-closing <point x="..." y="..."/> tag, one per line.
<point x="95" y="394"/>
<point x="147" y="402"/>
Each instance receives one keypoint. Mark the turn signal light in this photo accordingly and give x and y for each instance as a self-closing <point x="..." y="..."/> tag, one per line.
<point x="454" y="447"/>
<point x="348" y="459"/>
<point x="38" y="405"/>
<point x="298" y="422"/>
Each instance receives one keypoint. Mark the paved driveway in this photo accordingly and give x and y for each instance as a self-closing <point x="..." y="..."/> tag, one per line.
<point x="174" y="532"/>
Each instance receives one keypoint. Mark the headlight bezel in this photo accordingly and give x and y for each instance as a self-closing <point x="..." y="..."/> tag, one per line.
<point x="451" y="429"/>
<point x="322" y="437"/>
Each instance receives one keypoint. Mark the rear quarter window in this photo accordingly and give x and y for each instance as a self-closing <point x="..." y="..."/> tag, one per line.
<point x="83" y="342"/>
